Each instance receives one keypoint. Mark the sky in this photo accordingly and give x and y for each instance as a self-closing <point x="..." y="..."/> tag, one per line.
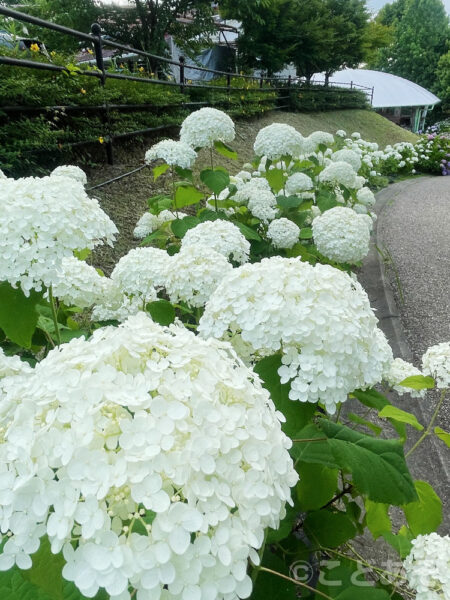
<point x="375" y="5"/>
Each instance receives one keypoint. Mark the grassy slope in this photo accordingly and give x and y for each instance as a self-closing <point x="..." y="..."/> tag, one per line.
<point x="126" y="200"/>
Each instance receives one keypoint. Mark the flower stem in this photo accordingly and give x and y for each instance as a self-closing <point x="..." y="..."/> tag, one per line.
<point x="212" y="167"/>
<point x="54" y="315"/>
<point x="174" y="191"/>
<point x="430" y="425"/>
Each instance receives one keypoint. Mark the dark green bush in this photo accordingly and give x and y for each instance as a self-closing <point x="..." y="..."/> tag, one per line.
<point x="320" y="98"/>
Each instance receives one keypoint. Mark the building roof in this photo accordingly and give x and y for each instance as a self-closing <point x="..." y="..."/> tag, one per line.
<point x="389" y="90"/>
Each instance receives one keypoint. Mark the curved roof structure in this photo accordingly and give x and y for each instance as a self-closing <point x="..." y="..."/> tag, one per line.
<point x="389" y="90"/>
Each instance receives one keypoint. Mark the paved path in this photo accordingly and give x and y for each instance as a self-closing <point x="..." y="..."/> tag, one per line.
<point x="412" y="295"/>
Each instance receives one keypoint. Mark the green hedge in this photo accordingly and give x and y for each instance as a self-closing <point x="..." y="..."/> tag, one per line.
<point x="320" y="98"/>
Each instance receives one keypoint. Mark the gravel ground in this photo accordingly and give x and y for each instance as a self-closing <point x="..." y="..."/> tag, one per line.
<point x="411" y="293"/>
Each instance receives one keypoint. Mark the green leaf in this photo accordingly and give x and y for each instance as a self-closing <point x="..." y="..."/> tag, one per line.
<point x="306" y="233"/>
<point x="325" y="201"/>
<point x="315" y="452"/>
<point x="271" y="587"/>
<point x="184" y="173"/>
<point x="348" y="583"/>
<point x="360" y="421"/>
<point x="418" y="382"/>
<point x="216" y="179"/>
<point x="377" y="518"/>
<point x="248" y="232"/>
<point x="400" y="542"/>
<point x="424" y="515"/>
<point x="18" y="314"/>
<point x="286" y="526"/>
<point x="160" y="201"/>
<point x="443" y="435"/>
<point x="205" y="214"/>
<point x="159" y="170"/>
<point x="371" y="398"/>
<point x="378" y="466"/>
<point x="180" y="226"/>
<point x="162" y="312"/>
<point x="289" y="201"/>
<point x="186" y="195"/>
<point x="329" y="529"/>
<point x="317" y="485"/>
<point x="276" y="179"/>
<point x="297" y="414"/>
<point x="392" y="412"/>
<point x="225" y="150"/>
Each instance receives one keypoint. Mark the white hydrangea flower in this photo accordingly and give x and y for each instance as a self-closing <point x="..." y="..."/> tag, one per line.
<point x="150" y="222"/>
<point x="277" y="140"/>
<point x="348" y="156"/>
<point x="205" y="126"/>
<point x="317" y="138"/>
<point x="341" y="133"/>
<point x="365" y="196"/>
<point x="359" y="182"/>
<point x="12" y="365"/>
<point x="155" y="460"/>
<point x="141" y="271"/>
<point x="318" y="318"/>
<point x="174" y="153"/>
<point x="78" y="284"/>
<point x="219" y="235"/>
<point x="194" y="274"/>
<point x="262" y="205"/>
<point x="436" y="362"/>
<point x="118" y="306"/>
<point x="43" y="220"/>
<point x="428" y="567"/>
<point x="283" y="233"/>
<point x="400" y="370"/>
<point x="342" y="235"/>
<point x="71" y="171"/>
<point x="356" y="135"/>
<point x="297" y="183"/>
<point x="251" y="188"/>
<point x="338" y="173"/>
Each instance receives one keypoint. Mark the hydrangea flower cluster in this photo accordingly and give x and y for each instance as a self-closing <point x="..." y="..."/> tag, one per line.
<point x="283" y="233"/>
<point x="338" y="173"/>
<point x="79" y="284"/>
<point x="342" y="235"/>
<point x="436" y="362"/>
<point x="141" y="272"/>
<point x="318" y="318"/>
<point x="262" y="205"/>
<point x="298" y="183"/>
<point x="42" y="221"/>
<point x="250" y="189"/>
<point x="428" y="567"/>
<point x="318" y="138"/>
<point x="365" y="196"/>
<point x="173" y="152"/>
<point x="277" y="140"/>
<point x="153" y="459"/>
<point x="398" y="372"/>
<point x="12" y="365"/>
<point x="205" y="126"/>
<point x="195" y="272"/>
<point x="150" y="222"/>
<point x="71" y="171"/>
<point x="222" y="237"/>
<point x="348" y="156"/>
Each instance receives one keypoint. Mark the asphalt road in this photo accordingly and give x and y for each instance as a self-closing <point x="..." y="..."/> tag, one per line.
<point x="409" y="286"/>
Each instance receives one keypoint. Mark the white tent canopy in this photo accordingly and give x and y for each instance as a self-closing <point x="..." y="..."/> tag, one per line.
<point x="389" y="90"/>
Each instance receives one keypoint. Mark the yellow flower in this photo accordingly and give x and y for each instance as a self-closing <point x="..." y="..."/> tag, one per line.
<point x="121" y="66"/>
<point x="83" y="91"/>
<point x="52" y="53"/>
<point x="141" y="69"/>
<point x="242" y="97"/>
<point x="101" y="140"/>
<point x="189" y="81"/>
<point x="90" y="51"/>
<point x="34" y="47"/>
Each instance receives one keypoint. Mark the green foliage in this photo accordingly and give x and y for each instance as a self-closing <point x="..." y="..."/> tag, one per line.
<point x="162" y="311"/>
<point x="308" y="98"/>
<point x="215" y="179"/>
<point x="18" y="314"/>
<point x="424" y="515"/>
<point x="317" y="485"/>
<point x="400" y="415"/>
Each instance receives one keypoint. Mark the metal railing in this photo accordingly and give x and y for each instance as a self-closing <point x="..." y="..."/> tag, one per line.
<point x="261" y="83"/>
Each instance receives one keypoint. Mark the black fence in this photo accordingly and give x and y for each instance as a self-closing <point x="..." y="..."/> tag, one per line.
<point x="261" y="84"/>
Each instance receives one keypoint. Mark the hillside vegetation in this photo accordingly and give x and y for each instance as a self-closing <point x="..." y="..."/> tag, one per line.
<point x="126" y="200"/>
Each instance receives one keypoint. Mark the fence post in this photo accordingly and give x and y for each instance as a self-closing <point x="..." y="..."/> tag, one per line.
<point x="96" y="30"/>
<point x="351" y="85"/>
<point x="371" y="96"/>
<point x="261" y="80"/>
<point x="182" y="81"/>
<point x="289" y="81"/>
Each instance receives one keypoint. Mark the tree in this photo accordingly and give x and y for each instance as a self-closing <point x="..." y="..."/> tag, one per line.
<point x="420" y="33"/>
<point x="146" y="24"/>
<point x="443" y="82"/>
